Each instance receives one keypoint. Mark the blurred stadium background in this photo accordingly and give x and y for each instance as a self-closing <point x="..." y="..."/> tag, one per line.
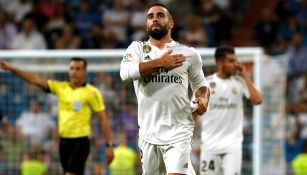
<point x="270" y="37"/>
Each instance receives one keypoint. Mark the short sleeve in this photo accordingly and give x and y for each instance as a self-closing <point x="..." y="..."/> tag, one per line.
<point x="53" y="86"/>
<point x="96" y="100"/>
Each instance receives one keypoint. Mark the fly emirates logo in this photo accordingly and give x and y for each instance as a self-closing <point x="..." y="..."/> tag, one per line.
<point x="161" y="76"/>
<point x="223" y="103"/>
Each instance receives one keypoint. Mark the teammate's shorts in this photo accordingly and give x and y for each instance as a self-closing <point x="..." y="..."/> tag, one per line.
<point x="216" y="164"/>
<point x="73" y="154"/>
<point x="162" y="159"/>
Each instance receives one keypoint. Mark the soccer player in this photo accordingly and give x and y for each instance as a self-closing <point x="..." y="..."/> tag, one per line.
<point x="222" y="124"/>
<point x="77" y="100"/>
<point x="161" y="70"/>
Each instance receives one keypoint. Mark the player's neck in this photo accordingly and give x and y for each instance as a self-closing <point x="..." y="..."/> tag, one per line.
<point x="161" y="42"/>
<point x="75" y="85"/>
<point x="222" y="75"/>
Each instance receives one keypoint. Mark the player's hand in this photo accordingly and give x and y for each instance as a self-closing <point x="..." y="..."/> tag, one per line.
<point x="171" y="61"/>
<point x="201" y="107"/>
<point x="109" y="152"/>
<point x="5" y="124"/>
<point x="4" y="65"/>
<point x="241" y="69"/>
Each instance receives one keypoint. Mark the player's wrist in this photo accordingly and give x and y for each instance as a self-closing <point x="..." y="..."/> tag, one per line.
<point x="109" y="144"/>
<point x="158" y="63"/>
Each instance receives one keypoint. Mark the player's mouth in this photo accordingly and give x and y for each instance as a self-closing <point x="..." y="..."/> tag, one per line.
<point x="156" y="26"/>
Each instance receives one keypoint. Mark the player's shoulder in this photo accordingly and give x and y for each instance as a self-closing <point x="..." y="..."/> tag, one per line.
<point x="91" y="87"/>
<point x="138" y="43"/>
<point x="92" y="91"/>
<point x="237" y="78"/>
<point x="186" y="50"/>
<point x="58" y="83"/>
<point x="184" y="47"/>
<point x="210" y="77"/>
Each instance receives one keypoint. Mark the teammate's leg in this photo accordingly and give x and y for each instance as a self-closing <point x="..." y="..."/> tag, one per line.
<point x="177" y="158"/>
<point x="151" y="159"/>
<point x="210" y="164"/>
<point x="232" y="162"/>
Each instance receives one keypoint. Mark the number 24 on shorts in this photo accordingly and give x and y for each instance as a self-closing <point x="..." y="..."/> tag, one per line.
<point x="207" y="166"/>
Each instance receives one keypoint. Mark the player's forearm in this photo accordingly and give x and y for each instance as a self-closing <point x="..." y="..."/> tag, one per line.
<point x="148" y="68"/>
<point x="202" y="96"/>
<point x="107" y="133"/>
<point x="134" y="71"/>
<point x="203" y="92"/>
<point x="255" y="96"/>
<point x="28" y="76"/>
<point x="105" y="126"/>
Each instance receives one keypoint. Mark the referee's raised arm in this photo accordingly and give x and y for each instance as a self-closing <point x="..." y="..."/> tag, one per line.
<point x="27" y="76"/>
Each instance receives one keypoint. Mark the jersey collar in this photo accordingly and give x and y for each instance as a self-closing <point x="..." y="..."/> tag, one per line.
<point x="167" y="45"/>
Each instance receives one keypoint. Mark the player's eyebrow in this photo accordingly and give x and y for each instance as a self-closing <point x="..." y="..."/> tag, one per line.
<point x="161" y="13"/>
<point x="158" y="13"/>
<point x="149" y="15"/>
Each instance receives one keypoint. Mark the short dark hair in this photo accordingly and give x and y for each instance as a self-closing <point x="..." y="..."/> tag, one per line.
<point x="79" y="59"/>
<point x="221" y="52"/>
<point x="162" y="5"/>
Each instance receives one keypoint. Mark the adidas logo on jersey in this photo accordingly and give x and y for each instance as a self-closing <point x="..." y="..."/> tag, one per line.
<point x="147" y="58"/>
<point x="186" y="165"/>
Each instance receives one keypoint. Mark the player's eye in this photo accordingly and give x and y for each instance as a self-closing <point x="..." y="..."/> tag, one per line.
<point x="150" y="16"/>
<point x="161" y="14"/>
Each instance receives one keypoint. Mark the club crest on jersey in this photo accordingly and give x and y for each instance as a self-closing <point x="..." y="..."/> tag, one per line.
<point x="212" y="85"/>
<point x="146" y="48"/>
<point x="128" y="57"/>
<point x="234" y="90"/>
<point x="76" y="105"/>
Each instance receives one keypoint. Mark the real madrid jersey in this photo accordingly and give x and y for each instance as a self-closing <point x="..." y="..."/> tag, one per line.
<point x="75" y="107"/>
<point x="222" y="124"/>
<point x="164" y="112"/>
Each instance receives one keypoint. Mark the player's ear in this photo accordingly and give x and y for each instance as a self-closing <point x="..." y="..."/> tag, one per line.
<point x="171" y="24"/>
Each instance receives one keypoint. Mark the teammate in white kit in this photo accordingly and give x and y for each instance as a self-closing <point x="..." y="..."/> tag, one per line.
<point x="161" y="70"/>
<point x="222" y="124"/>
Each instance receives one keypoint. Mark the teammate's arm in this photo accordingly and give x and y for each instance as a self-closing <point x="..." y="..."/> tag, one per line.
<point x="202" y="96"/>
<point x="107" y="135"/>
<point x="167" y="61"/>
<point x="27" y="76"/>
<point x="255" y="96"/>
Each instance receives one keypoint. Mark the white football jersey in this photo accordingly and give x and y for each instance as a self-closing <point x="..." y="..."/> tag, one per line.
<point x="222" y="124"/>
<point x="164" y="112"/>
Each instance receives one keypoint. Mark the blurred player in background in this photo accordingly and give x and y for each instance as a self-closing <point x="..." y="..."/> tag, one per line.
<point x="299" y="163"/>
<point x="4" y="121"/>
<point x="77" y="100"/>
<point x="222" y="124"/>
<point x="161" y="70"/>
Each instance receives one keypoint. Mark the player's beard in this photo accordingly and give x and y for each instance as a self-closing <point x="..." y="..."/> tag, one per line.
<point x="158" y="33"/>
<point x="228" y="72"/>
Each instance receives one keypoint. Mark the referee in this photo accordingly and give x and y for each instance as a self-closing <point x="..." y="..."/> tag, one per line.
<point x="77" y="100"/>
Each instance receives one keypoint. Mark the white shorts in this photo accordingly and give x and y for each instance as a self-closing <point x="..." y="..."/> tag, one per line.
<point x="216" y="164"/>
<point x="164" y="159"/>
